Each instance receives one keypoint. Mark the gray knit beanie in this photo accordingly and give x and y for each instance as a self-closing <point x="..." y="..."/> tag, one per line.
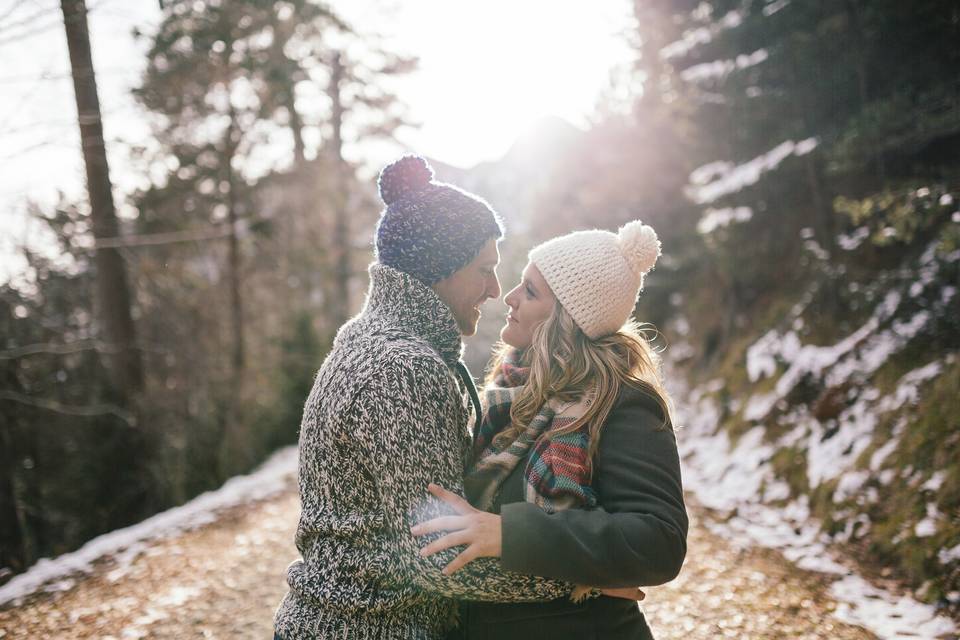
<point x="429" y="229"/>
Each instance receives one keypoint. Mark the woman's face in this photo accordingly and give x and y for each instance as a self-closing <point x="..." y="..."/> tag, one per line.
<point x="530" y="304"/>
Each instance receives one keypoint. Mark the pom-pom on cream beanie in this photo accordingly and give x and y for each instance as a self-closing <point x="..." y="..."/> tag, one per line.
<point x="597" y="275"/>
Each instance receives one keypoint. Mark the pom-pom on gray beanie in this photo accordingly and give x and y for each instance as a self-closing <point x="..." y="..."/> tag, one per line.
<point x="429" y="229"/>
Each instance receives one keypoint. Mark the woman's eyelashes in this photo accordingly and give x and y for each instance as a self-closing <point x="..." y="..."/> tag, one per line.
<point x="530" y="292"/>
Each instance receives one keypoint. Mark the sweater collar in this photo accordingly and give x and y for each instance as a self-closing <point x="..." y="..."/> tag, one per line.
<point x="404" y="302"/>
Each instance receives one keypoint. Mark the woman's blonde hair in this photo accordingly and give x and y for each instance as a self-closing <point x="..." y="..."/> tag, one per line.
<point x="564" y="364"/>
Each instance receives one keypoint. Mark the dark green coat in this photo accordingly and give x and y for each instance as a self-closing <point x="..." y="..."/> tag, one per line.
<point x="636" y="537"/>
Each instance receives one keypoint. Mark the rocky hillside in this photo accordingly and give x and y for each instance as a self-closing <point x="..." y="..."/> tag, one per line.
<point x="836" y="408"/>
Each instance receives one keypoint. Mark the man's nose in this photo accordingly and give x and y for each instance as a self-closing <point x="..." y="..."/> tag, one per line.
<point x="493" y="288"/>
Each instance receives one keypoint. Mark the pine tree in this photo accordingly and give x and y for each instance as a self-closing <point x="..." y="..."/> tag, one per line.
<point x="363" y="107"/>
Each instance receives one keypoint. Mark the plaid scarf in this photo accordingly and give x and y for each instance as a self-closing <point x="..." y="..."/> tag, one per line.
<point x="557" y="475"/>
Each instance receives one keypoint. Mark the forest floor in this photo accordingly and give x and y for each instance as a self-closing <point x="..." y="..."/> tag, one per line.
<point x="224" y="580"/>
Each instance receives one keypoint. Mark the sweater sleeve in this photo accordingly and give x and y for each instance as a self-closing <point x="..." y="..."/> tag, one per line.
<point x="408" y="430"/>
<point x="636" y="537"/>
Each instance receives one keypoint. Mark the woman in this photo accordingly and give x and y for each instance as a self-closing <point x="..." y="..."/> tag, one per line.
<point x="576" y="474"/>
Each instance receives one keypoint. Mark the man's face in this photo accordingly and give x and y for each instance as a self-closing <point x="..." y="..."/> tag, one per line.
<point x="465" y="290"/>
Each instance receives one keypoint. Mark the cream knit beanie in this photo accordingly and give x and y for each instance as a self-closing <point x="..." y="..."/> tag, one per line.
<point x="596" y="275"/>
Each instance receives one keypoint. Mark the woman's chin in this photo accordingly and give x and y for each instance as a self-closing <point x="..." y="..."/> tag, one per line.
<point x="509" y="337"/>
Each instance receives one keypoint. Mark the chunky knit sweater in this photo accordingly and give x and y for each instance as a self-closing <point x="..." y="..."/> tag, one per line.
<point x="387" y="415"/>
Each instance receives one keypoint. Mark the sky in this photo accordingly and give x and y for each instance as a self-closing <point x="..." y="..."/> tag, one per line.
<point x="488" y="70"/>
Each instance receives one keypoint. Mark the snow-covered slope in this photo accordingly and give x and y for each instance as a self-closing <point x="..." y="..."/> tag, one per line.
<point x="839" y="445"/>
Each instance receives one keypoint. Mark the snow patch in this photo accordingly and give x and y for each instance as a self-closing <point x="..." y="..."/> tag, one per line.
<point x="776" y="491"/>
<point x="735" y="178"/>
<point x="850" y="483"/>
<point x="882" y="453"/>
<point x="692" y="38"/>
<point x="761" y="362"/>
<point x="854" y="239"/>
<point x="878" y="348"/>
<point x="885" y="614"/>
<point x="947" y="556"/>
<point x="759" y="405"/>
<point x="714" y="219"/>
<point x="775" y="6"/>
<point x="722" y="68"/>
<point x="908" y="387"/>
<point x="946" y="294"/>
<point x="935" y="481"/>
<point x="710" y="171"/>
<point x="928" y="526"/>
<point x="830" y="454"/>
<point x="814" y="247"/>
<point x="763" y="355"/>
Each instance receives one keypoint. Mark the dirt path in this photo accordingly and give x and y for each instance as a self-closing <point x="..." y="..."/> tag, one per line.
<point x="224" y="580"/>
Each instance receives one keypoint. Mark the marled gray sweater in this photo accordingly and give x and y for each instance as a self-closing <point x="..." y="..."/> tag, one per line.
<point x="386" y="416"/>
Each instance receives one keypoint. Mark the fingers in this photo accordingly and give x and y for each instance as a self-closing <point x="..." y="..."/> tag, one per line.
<point x="443" y="523"/>
<point x="468" y="555"/>
<point x="450" y="540"/>
<point x="459" y="504"/>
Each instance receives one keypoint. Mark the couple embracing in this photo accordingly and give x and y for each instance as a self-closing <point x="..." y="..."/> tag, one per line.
<point x="536" y="511"/>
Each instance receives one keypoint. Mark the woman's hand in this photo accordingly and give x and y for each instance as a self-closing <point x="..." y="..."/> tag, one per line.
<point x="479" y="530"/>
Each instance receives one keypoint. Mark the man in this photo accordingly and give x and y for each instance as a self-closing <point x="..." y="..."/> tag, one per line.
<point x="388" y="415"/>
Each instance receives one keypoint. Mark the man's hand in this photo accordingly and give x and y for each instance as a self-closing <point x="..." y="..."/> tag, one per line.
<point x="627" y="593"/>
<point x="478" y="530"/>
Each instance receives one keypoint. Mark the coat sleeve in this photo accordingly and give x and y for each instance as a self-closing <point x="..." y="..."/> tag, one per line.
<point x="636" y="537"/>
<point x="407" y="427"/>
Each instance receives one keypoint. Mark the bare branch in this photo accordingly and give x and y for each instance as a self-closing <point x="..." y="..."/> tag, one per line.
<point x="57" y="349"/>
<point x="161" y="238"/>
<point x="71" y="410"/>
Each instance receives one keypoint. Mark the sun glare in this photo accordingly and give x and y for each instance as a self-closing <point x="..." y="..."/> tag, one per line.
<point x="490" y="68"/>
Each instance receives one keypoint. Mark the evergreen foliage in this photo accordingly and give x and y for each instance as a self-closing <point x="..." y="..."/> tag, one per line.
<point x="228" y="257"/>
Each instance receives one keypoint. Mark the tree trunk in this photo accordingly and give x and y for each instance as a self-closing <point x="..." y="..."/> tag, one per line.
<point x="652" y="17"/>
<point x="296" y="127"/>
<point x="17" y="548"/>
<point x="863" y="86"/>
<point x="281" y="35"/>
<point x="238" y="359"/>
<point x="230" y="145"/>
<point x="113" y="298"/>
<point x="234" y="449"/>
<point x="341" y="224"/>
